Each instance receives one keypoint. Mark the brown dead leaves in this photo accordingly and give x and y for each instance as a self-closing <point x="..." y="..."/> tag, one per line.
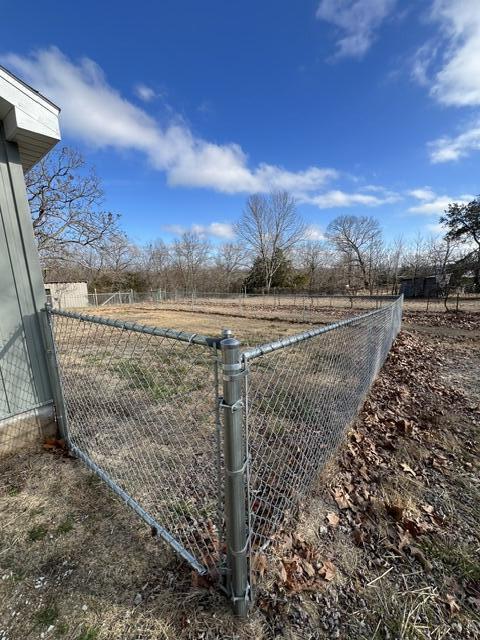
<point x="464" y="320"/>
<point x="391" y="455"/>
<point x="342" y="498"/>
<point x="300" y="567"/>
<point x="333" y="519"/>
<point x="405" y="467"/>
<point x="52" y="444"/>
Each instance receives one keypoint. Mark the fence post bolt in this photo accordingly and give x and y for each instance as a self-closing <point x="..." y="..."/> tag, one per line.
<point x="235" y="474"/>
<point x="54" y="374"/>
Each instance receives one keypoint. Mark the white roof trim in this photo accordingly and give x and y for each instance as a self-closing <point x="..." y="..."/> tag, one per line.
<point x="28" y="118"/>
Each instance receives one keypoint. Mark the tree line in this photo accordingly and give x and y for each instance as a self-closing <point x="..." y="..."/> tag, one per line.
<point x="272" y="249"/>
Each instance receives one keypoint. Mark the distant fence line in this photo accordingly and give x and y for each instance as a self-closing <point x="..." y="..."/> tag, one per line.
<point x="193" y="299"/>
<point x="213" y="445"/>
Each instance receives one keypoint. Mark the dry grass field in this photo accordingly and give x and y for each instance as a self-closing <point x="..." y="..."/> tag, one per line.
<point x="265" y="318"/>
<point x="251" y="326"/>
<point x="387" y="547"/>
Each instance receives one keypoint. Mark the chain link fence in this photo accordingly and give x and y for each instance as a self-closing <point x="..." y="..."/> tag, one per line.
<point x="213" y="447"/>
<point x="302" y="394"/>
<point x="141" y="412"/>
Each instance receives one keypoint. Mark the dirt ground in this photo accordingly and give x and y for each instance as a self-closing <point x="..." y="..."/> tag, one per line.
<point x="388" y="546"/>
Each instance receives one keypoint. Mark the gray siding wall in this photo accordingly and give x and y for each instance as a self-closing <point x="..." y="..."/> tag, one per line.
<point x="24" y="381"/>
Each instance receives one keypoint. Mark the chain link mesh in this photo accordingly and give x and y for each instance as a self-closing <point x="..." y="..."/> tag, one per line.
<point x="141" y="411"/>
<point x="302" y="394"/>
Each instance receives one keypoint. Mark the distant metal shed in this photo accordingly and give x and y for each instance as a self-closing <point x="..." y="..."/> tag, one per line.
<point x="424" y="286"/>
<point x="61" y="295"/>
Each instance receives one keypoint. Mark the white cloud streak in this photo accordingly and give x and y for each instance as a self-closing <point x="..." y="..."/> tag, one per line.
<point x="422" y="61"/>
<point x="145" y="93"/>
<point x="450" y="65"/>
<point x="457" y="82"/>
<point x="357" y="21"/>
<point x="97" y="114"/>
<point x="433" y="204"/>
<point x="314" y="232"/>
<point x="337" y="198"/>
<point x="424" y="193"/>
<point x="221" y="230"/>
<point x="453" y="148"/>
<point x="436" y="228"/>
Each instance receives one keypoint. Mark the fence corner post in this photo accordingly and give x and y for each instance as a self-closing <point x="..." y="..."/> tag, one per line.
<point x="235" y="474"/>
<point x="52" y="363"/>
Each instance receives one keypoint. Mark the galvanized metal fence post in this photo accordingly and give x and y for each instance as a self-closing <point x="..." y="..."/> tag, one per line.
<point x="235" y="474"/>
<point x="58" y="399"/>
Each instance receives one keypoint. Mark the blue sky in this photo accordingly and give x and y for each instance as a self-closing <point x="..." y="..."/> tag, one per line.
<point x="366" y="107"/>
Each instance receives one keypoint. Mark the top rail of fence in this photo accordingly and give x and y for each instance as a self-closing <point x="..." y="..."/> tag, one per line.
<point x="174" y="334"/>
<point x="263" y="349"/>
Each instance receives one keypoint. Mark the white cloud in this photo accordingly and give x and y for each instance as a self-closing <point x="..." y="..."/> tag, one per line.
<point x="450" y="65"/>
<point x="433" y="207"/>
<point x="422" y="61"/>
<point x="222" y="230"/>
<point x="436" y="228"/>
<point x="338" y="198"/>
<point x="458" y="80"/>
<point x="96" y="113"/>
<point x="314" y="232"/>
<point x="425" y="193"/>
<point x="145" y="93"/>
<point x="436" y="205"/>
<point x="448" y="149"/>
<point x="357" y="20"/>
<point x="175" y="229"/>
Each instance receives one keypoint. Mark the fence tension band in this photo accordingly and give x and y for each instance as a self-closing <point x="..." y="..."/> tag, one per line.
<point x="243" y="469"/>
<point x="231" y="407"/>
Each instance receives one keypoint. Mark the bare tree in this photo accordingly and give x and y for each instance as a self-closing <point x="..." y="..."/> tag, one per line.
<point x="190" y="253"/>
<point x="157" y="259"/>
<point x="415" y="262"/>
<point x="439" y="252"/>
<point x="312" y="256"/>
<point x="271" y="226"/>
<point x="394" y="257"/>
<point x="110" y="262"/>
<point x="229" y="258"/>
<point x="358" y="239"/>
<point x="65" y="205"/>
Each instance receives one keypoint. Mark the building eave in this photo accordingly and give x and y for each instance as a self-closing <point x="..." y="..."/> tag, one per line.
<point x="29" y="119"/>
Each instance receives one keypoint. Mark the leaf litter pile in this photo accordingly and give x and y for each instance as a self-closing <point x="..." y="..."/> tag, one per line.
<point x="390" y="548"/>
<point x="462" y="320"/>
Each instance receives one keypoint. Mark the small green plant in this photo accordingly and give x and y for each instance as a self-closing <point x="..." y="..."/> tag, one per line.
<point x="140" y="377"/>
<point x="13" y="491"/>
<point x="61" y="630"/>
<point x="46" y="616"/>
<point x="182" y="508"/>
<point x="460" y="559"/>
<point x="37" y="533"/>
<point x="90" y="633"/>
<point x="93" y="480"/>
<point x="66" y="525"/>
<point x="96" y="359"/>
